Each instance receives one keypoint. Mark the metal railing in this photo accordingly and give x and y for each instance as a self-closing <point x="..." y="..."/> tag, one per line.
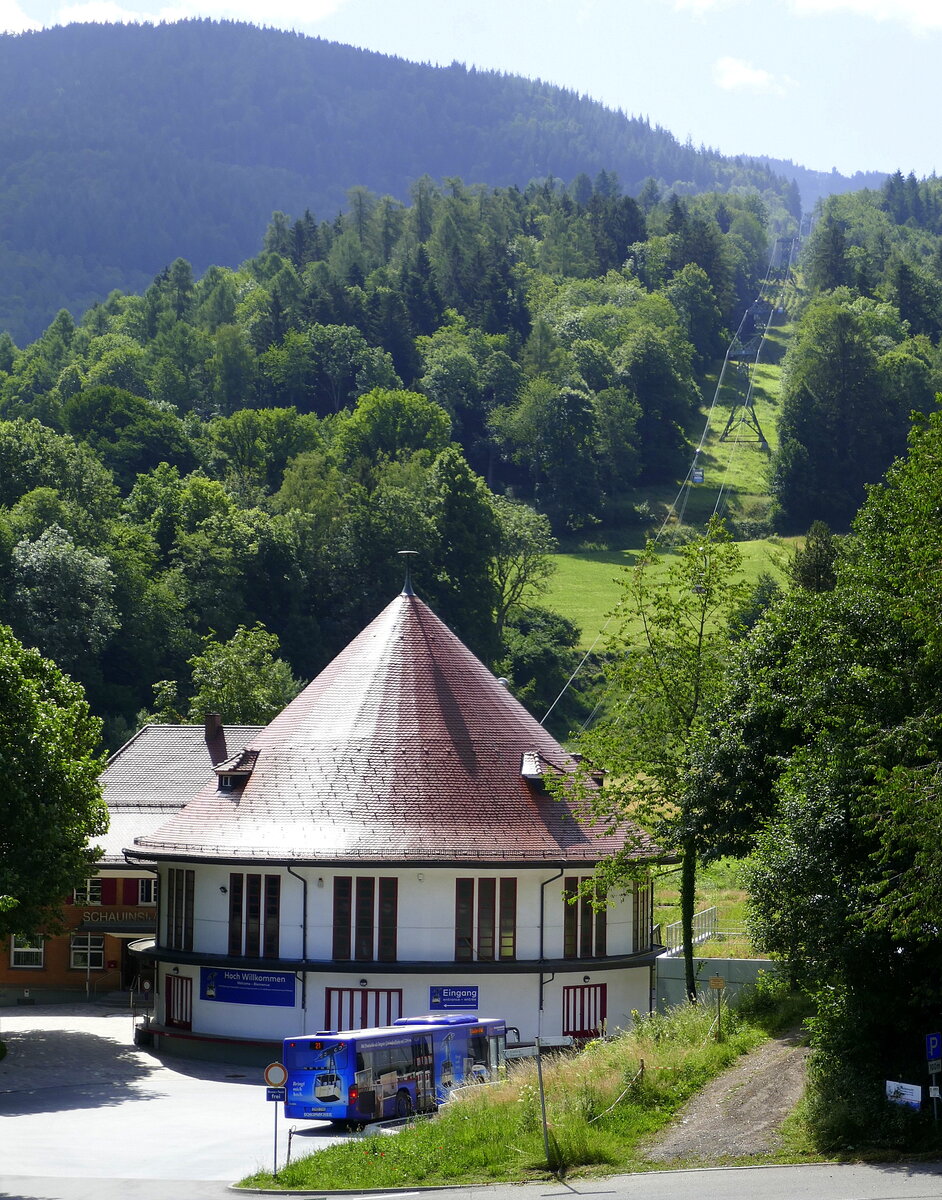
<point x="704" y="926"/>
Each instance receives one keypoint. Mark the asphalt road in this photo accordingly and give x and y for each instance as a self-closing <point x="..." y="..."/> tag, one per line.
<point x="85" y="1115"/>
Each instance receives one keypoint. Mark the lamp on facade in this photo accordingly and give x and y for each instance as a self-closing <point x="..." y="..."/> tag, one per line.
<point x="363" y="982"/>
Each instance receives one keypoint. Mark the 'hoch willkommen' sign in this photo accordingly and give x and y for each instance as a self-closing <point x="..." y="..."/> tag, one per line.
<point x="233" y="986"/>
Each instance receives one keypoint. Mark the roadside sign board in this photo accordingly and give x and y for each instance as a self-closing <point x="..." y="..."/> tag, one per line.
<point x="276" y="1074"/>
<point x="276" y="1093"/>
<point x="935" y="1066"/>
<point x="717" y="982"/>
<point x="907" y="1094"/>
<point x="933" y="1046"/>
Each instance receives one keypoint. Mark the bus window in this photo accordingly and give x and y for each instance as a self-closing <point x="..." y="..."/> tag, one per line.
<point x="497" y="1058"/>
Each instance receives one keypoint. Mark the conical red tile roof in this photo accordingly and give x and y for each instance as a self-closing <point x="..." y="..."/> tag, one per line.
<point x="404" y="749"/>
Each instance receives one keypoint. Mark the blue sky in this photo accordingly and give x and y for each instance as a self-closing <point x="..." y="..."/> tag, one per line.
<point x="850" y="84"/>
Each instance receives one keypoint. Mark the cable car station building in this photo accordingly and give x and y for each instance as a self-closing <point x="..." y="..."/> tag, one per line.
<point x="389" y="845"/>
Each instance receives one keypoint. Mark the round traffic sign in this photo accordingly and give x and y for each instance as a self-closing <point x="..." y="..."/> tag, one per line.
<point x="276" y="1074"/>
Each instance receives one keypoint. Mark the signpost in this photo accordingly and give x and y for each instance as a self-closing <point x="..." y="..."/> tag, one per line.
<point x="717" y="983"/>
<point x="276" y="1076"/>
<point x="934" y="1059"/>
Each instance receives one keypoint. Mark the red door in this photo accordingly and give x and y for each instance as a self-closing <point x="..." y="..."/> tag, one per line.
<point x="178" y="1005"/>
<point x="361" y="1008"/>
<point x="584" y="1010"/>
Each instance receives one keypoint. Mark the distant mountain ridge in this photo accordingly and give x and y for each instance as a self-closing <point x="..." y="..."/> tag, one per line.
<point x="124" y="147"/>
<point x="817" y="185"/>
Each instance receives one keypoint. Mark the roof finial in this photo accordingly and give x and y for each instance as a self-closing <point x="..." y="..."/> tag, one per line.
<point x="407" y="586"/>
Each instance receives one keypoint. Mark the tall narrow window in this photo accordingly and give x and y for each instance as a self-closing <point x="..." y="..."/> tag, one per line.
<point x="365" y="919"/>
<point x="586" y="927"/>
<point x="363" y="937"/>
<point x="641" y="915"/>
<point x="180" y="885"/>
<point x="236" y="901"/>
<point x="388" y="920"/>
<point x="570" y="919"/>
<point x="585" y="920"/>
<point x="272" y="916"/>
<point x="508" y="919"/>
<point x="254" y="915"/>
<point x="488" y="929"/>
<point x="343" y="896"/>
<point x="487" y="892"/>
<point x="464" y="920"/>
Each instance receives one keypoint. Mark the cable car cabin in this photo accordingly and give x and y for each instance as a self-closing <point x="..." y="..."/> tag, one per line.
<point x="360" y="1075"/>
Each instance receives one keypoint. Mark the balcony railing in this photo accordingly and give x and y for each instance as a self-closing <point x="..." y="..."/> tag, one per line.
<point x="704" y="926"/>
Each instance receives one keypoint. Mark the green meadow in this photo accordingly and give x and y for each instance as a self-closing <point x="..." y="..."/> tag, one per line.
<point x="586" y="586"/>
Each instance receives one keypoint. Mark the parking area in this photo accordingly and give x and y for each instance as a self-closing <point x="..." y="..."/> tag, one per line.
<point x="78" y="1100"/>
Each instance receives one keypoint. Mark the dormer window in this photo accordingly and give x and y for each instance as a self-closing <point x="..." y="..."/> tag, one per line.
<point x="236" y="770"/>
<point x="530" y="766"/>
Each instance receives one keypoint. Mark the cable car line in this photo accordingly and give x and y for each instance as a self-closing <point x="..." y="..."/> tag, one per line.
<point x="676" y="511"/>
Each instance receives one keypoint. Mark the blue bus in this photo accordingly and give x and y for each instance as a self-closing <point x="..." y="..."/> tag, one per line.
<point x="355" y="1076"/>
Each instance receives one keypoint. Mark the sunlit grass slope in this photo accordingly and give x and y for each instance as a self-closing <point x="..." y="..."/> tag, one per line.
<point x="585" y="587"/>
<point x="601" y="1108"/>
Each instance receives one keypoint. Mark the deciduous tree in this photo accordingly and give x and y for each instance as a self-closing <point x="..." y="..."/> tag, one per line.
<point x="51" y="805"/>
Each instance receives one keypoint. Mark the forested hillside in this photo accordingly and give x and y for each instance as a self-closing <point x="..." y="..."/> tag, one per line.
<point x="124" y="147"/>
<point x="866" y="352"/>
<point x="464" y="377"/>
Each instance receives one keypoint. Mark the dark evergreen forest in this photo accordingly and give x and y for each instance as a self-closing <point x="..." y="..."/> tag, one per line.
<point x="124" y="147"/>
<point x="469" y="376"/>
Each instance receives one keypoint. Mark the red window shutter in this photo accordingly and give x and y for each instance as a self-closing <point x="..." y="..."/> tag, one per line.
<point x="130" y="892"/>
<point x="109" y="891"/>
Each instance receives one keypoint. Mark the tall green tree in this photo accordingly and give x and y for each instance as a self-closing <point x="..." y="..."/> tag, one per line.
<point x="62" y="601"/>
<point x="51" y="805"/>
<point x="665" y="671"/>
<point x="522" y="563"/>
<point x="825" y="766"/>
<point x="844" y="418"/>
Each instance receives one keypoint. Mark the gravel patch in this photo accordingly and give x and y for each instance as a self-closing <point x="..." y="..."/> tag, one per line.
<point x="741" y="1112"/>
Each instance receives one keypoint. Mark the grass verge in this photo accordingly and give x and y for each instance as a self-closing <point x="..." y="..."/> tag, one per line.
<point x="586" y="586"/>
<point x="603" y="1103"/>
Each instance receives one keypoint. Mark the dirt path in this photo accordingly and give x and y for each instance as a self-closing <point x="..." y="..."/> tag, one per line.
<point x="741" y="1111"/>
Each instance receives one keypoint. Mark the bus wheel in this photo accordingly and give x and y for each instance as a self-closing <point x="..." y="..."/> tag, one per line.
<point x="403" y="1104"/>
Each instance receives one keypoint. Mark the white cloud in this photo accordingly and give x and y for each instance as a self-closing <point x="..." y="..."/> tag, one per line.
<point x="14" y="20"/>
<point x="920" y="15"/>
<point x="736" y="75"/>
